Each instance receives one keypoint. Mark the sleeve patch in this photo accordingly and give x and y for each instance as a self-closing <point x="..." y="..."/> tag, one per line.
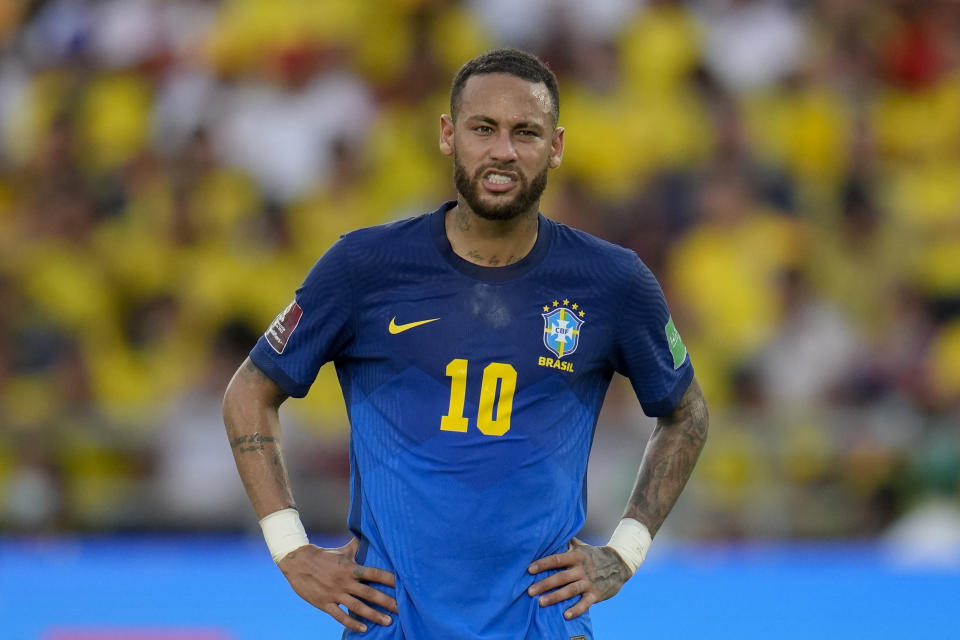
<point x="677" y="349"/>
<point x="283" y="326"/>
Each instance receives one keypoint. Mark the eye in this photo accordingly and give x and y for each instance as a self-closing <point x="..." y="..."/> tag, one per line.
<point x="483" y="129"/>
<point x="527" y="133"/>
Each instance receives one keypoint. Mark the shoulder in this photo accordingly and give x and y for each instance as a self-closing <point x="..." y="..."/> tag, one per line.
<point x="387" y="234"/>
<point x="380" y="244"/>
<point x="365" y="257"/>
<point x="360" y="251"/>
<point x="612" y="259"/>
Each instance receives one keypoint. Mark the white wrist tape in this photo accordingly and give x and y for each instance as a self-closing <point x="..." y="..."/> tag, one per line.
<point x="283" y="532"/>
<point x="630" y="540"/>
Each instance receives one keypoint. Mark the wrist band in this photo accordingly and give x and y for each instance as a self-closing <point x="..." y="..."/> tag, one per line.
<point x="283" y="532"/>
<point x="630" y="540"/>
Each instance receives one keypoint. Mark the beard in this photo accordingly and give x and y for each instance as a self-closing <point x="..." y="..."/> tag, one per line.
<point x="506" y="208"/>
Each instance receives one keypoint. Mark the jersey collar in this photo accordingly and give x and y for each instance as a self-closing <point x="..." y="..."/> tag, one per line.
<point x="489" y="274"/>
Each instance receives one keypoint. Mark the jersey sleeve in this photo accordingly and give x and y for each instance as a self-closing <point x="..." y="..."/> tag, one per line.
<point x="648" y="349"/>
<point x="313" y="329"/>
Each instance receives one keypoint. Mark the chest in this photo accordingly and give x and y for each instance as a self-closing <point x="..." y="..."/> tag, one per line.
<point x="536" y="327"/>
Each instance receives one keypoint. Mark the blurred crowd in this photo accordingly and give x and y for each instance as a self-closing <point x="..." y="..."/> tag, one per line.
<point x="170" y="169"/>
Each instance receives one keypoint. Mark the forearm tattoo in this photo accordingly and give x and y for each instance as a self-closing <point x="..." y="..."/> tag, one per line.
<point x="253" y="429"/>
<point x="669" y="459"/>
<point x="252" y="442"/>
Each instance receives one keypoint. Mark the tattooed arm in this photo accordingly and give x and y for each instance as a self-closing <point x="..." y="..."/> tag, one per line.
<point x="667" y="463"/>
<point x="326" y="578"/>
<point x="597" y="573"/>
<point x="250" y="413"/>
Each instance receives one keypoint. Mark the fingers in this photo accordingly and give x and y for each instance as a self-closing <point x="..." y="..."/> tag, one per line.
<point x="366" y="594"/>
<point x="568" y="584"/>
<point x="571" y="590"/>
<point x="556" y="561"/>
<point x="373" y="574"/>
<point x="376" y="597"/>
<point x="554" y="581"/>
<point x="364" y="610"/>
<point x="337" y="614"/>
<point x="587" y="600"/>
<point x="369" y="574"/>
<point x="358" y="607"/>
<point x="328" y="578"/>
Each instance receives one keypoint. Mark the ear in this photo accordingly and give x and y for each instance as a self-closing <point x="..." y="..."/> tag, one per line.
<point x="446" y="135"/>
<point x="556" y="150"/>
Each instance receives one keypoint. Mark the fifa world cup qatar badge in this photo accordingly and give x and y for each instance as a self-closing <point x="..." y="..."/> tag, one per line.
<point x="677" y="349"/>
<point x="283" y="326"/>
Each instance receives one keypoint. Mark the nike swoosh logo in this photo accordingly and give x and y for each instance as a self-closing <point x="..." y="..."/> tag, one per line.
<point x="395" y="328"/>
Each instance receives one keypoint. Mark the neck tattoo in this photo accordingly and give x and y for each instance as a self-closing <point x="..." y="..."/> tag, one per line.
<point x="491" y="261"/>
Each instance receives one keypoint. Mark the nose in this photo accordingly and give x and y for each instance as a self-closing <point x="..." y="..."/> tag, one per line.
<point x="503" y="149"/>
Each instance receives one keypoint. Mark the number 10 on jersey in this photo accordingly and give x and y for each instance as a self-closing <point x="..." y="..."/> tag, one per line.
<point x="496" y="376"/>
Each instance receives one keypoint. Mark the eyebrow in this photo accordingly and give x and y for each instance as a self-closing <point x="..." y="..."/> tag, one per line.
<point x="519" y="125"/>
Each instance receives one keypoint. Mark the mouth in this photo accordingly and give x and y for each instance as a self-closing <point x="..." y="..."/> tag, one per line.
<point x="499" y="181"/>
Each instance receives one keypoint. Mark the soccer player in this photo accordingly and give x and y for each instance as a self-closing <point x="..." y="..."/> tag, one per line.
<point x="474" y="346"/>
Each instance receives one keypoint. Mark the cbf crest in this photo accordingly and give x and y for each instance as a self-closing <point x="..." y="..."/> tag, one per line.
<point x="562" y="324"/>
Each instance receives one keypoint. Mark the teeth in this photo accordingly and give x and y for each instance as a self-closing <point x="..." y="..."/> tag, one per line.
<point x="496" y="178"/>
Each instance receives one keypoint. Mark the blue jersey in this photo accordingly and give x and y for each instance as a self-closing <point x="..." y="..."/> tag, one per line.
<point x="473" y="393"/>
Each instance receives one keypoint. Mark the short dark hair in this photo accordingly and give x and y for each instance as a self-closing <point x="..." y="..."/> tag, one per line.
<point x="515" y="62"/>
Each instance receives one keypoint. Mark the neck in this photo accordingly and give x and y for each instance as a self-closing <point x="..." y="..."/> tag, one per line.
<point x="490" y="243"/>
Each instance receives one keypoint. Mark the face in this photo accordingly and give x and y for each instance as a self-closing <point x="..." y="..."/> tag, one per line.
<point x="503" y="142"/>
